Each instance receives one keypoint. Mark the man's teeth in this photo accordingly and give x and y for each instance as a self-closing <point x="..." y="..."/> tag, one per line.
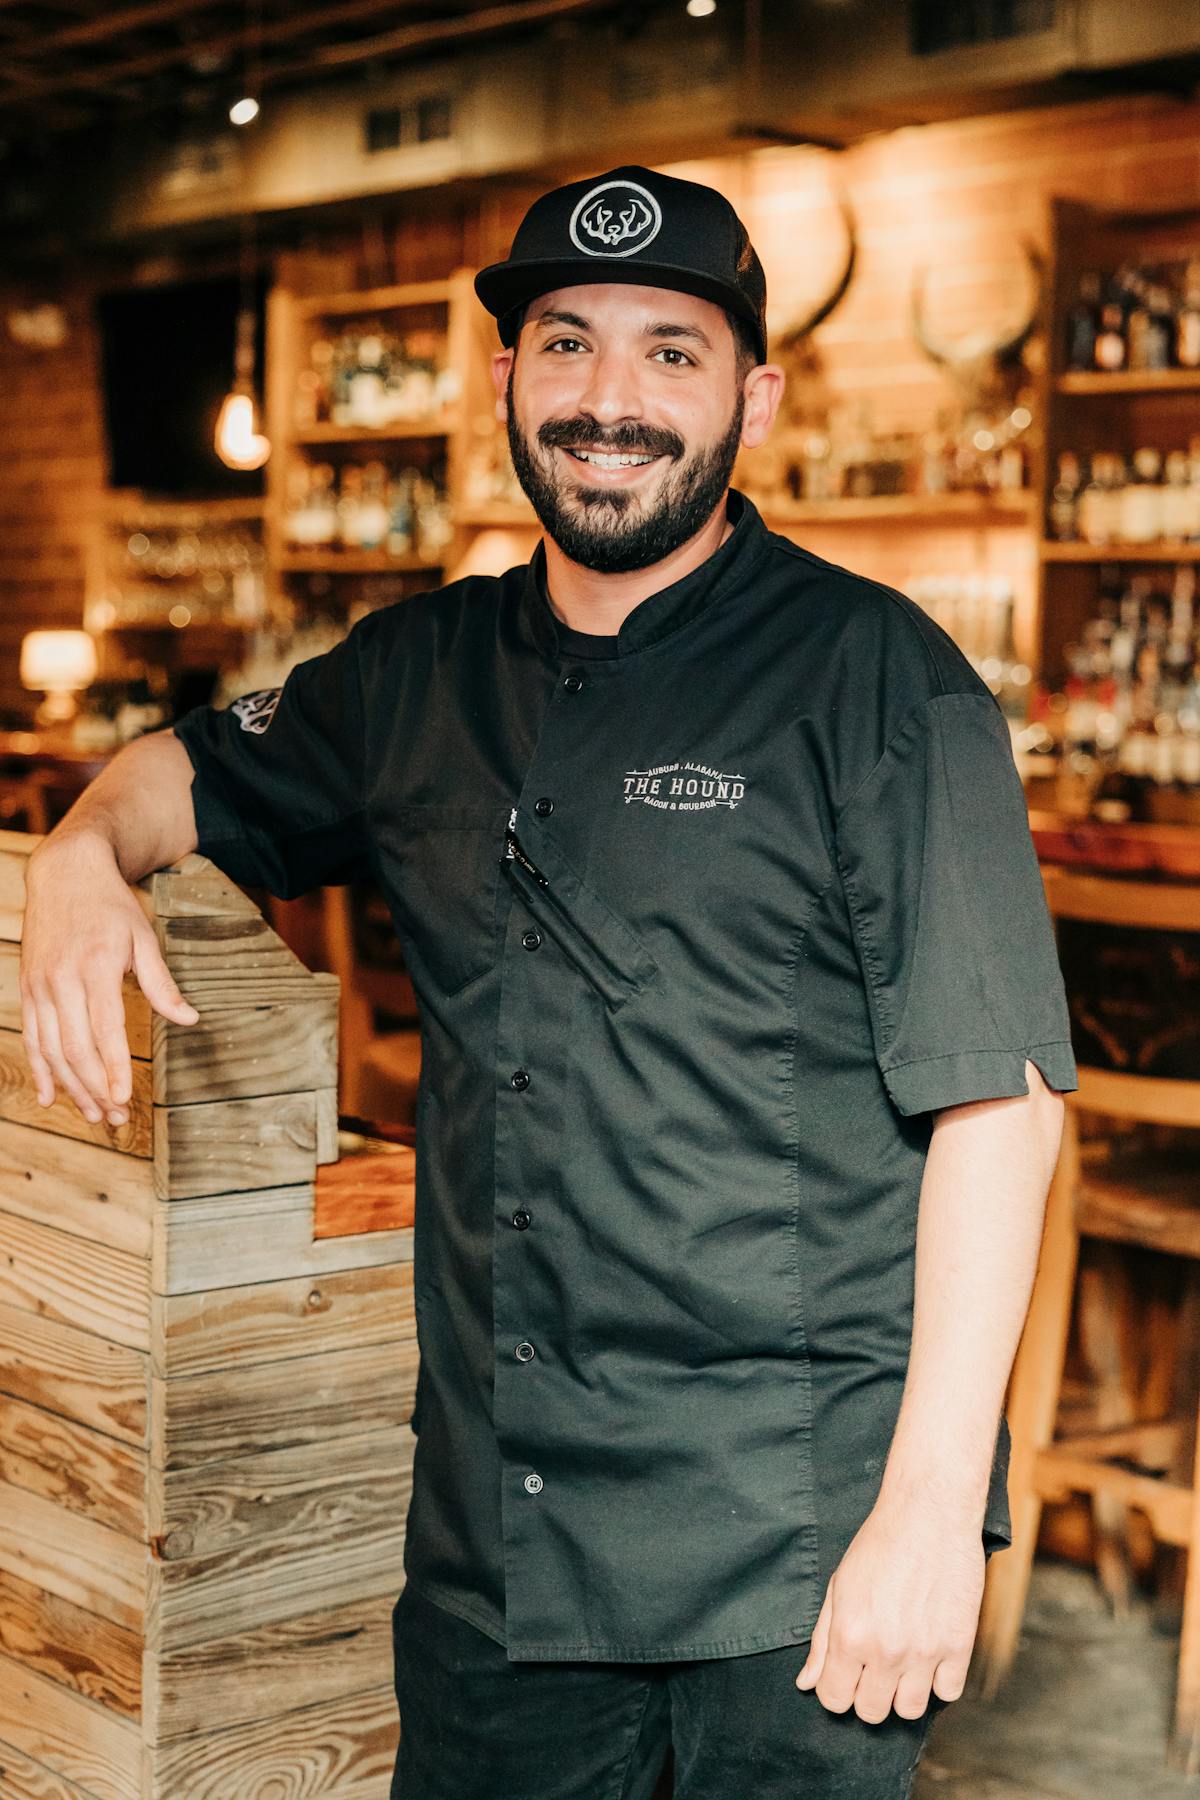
<point x="603" y="461"/>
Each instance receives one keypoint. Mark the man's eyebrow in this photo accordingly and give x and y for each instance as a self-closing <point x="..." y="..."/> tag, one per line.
<point x="552" y="317"/>
<point x="692" y="332"/>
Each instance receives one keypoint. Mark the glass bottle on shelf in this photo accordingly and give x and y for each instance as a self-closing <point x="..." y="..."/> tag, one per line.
<point x="401" y="523"/>
<point x="1141" y="511"/>
<point x="372" y="521"/>
<point x="1110" y="347"/>
<point x="1064" y="499"/>
<point x="1083" y="323"/>
<point x="365" y="387"/>
<point x="1187" y="320"/>
<point x="322" y="504"/>
<point x="349" y="502"/>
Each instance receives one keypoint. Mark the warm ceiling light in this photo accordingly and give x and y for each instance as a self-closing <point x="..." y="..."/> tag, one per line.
<point x="700" y="9"/>
<point x="242" y="111"/>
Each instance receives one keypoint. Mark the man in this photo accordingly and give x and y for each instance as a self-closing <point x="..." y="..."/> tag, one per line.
<point x="742" y="1035"/>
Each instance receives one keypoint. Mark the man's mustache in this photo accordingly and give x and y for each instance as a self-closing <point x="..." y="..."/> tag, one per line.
<point x="621" y="440"/>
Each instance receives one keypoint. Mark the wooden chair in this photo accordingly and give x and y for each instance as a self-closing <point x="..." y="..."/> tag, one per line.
<point x="379" y="1038"/>
<point x="1137" y="1186"/>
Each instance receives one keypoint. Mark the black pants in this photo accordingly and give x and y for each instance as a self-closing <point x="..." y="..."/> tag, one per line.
<point x="474" y="1726"/>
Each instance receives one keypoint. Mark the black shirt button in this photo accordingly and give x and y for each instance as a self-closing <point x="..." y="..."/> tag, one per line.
<point x="572" y="683"/>
<point x="521" y="1220"/>
<point x="519" y="1079"/>
<point x="543" y="807"/>
<point x="524" y="1352"/>
<point x="531" y="939"/>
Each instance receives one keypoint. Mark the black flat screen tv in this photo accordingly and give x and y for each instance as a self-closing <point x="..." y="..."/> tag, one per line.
<point x="166" y="356"/>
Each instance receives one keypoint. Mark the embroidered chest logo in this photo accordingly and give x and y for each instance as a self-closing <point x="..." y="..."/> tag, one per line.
<point x="683" y="787"/>
<point x="615" y="219"/>
<point x="255" y="710"/>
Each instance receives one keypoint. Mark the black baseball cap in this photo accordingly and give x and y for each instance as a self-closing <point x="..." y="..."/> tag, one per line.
<point x="631" y="225"/>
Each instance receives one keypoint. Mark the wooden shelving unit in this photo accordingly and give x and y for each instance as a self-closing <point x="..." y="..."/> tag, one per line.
<point x="433" y="444"/>
<point x="1089" y="410"/>
<point x="905" y="509"/>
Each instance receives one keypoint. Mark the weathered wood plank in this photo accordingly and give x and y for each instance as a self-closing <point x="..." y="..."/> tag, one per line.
<point x="23" y="1779"/>
<point x="316" y="1752"/>
<point x="194" y="885"/>
<point x="229" y="956"/>
<point x="273" y="1320"/>
<point x="99" y="1194"/>
<point x="247" y="1049"/>
<point x="321" y="1399"/>
<point x="263" y="1538"/>
<point x="86" y="1743"/>
<point x="70" y="1372"/>
<point x="19" y="1103"/>
<point x="83" y="1471"/>
<point x="46" y="1271"/>
<point x="270" y="1669"/>
<point x="232" y="1240"/>
<point x="80" y="1561"/>
<point x="371" y="1190"/>
<point x="137" y="1007"/>
<point x="76" y="1648"/>
<point x="230" y="1146"/>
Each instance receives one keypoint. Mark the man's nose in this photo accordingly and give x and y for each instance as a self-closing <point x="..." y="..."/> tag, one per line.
<point x="611" y="392"/>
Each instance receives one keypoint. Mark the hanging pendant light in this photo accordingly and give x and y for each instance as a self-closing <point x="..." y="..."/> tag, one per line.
<point x="239" y="443"/>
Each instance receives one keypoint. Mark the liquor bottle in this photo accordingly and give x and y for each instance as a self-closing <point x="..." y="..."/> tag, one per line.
<point x="322" y="508"/>
<point x="1178" y="502"/>
<point x="365" y="389"/>
<point x="1187" y="321"/>
<point x="372" y="521"/>
<point x="1100" y="501"/>
<point x="401" y="523"/>
<point x="1064" y="499"/>
<point x="1141" y="512"/>
<point x="1083" y="323"/>
<point x="1110" y="350"/>
<point x="349" y="502"/>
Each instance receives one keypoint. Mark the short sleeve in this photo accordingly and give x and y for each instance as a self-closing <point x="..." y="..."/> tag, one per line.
<point x="949" y="914"/>
<point x="279" y="778"/>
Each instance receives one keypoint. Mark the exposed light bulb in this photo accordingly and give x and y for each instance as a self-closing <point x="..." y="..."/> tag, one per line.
<point x="238" y="441"/>
<point x="700" y="9"/>
<point x="244" y="110"/>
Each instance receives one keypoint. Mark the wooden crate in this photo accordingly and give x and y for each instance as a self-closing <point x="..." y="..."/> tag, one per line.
<point x="205" y="1392"/>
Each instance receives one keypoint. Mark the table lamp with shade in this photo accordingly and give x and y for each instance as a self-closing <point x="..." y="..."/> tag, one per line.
<point x="60" y="663"/>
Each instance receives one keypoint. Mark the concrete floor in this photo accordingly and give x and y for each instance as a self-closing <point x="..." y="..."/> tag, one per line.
<point x="1083" y="1715"/>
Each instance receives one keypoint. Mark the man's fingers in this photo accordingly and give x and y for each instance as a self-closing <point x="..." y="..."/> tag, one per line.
<point x="950" y="1676"/>
<point x="106" y="1010"/>
<point x="912" y="1693"/>
<point x="64" y="1074"/>
<point x="39" y="1068"/>
<point x="875" y="1691"/>
<point x="840" y="1676"/>
<point x="810" y="1674"/>
<point x="157" y="982"/>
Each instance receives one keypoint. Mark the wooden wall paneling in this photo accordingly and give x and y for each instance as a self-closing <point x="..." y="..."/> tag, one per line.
<point x="25" y="1779"/>
<point x="316" y="1399"/>
<point x="79" y="1649"/>
<point x="103" y="1196"/>
<point x="64" y="1278"/>
<point x="274" y="1321"/>
<point x="74" y="1737"/>
<point x="82" y="1470"/>
<point x="337" y="1747"/>
<point x="72" y="1374"/>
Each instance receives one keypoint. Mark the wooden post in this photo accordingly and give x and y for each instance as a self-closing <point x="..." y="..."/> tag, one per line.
<point x="205" y="1448"/>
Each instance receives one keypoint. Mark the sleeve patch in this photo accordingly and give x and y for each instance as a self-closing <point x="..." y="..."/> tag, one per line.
<point x="254" y="711"/>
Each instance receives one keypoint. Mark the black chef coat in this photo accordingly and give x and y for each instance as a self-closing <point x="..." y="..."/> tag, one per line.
<point x="702" y="933"/>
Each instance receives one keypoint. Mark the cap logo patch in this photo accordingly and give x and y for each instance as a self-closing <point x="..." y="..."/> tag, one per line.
<point x="617" y="218"/>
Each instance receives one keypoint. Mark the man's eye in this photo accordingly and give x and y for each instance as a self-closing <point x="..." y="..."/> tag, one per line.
<point x="670" y="350"/>
<point x="557" y="343"/>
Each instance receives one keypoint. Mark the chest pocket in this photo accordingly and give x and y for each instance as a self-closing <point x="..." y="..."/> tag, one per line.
<point x="440" y="865"/>
<point x="612" y="957"/>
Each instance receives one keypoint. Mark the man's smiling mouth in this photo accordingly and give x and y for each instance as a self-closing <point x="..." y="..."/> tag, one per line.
<point x="603" y="459"/>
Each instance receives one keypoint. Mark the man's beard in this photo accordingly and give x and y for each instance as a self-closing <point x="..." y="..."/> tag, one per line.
<point x="607" y="529"/>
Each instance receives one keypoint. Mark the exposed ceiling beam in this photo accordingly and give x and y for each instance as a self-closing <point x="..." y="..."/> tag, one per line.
<point x="101" y="25"/>
<point x="31" y="85"/>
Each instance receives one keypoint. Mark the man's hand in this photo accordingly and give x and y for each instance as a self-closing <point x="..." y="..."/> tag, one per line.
<point x="83" y="928"/>
<point x="900" y="1615"/>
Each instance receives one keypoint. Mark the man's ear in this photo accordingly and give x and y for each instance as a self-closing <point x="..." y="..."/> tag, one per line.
<point x="502" y="362"/>
<point x="763" y="392"/>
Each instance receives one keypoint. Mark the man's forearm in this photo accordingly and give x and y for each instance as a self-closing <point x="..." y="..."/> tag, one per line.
<point x="979" y="1230"/>
<point x="140" y="804"/>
